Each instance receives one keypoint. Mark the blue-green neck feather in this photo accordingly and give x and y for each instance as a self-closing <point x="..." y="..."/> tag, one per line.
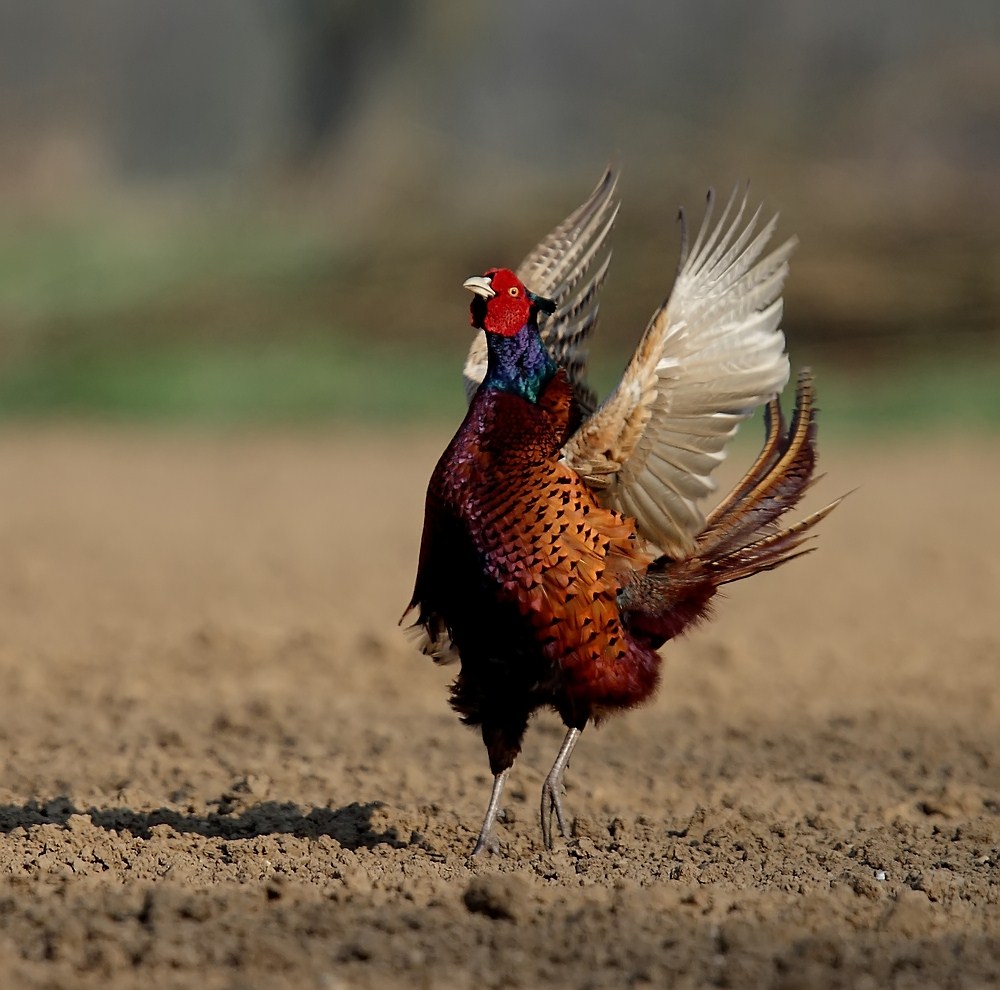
<point x="520" y="364"/>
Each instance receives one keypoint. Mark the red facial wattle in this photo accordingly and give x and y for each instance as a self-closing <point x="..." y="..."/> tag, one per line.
<point x="502" y="305"/>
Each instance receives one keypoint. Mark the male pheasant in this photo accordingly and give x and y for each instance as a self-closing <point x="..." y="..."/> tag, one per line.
<point x="563" y="544"/>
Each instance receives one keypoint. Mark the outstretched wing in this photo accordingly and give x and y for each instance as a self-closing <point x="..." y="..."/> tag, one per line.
<point x="566" y="268"/>
<point x="711" y="354"/>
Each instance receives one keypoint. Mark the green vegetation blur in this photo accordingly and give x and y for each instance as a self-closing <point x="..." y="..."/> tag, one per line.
<point x="262" y="213"/>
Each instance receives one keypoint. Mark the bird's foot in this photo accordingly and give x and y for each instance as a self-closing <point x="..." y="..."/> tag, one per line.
<point x="552" y="790"/>
<point x="487" y="841"/>
<point x="485" y="844"/>
<point x="552" y="808"/>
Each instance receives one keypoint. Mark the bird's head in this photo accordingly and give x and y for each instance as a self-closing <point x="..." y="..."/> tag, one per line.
<point x="502" y="304"/>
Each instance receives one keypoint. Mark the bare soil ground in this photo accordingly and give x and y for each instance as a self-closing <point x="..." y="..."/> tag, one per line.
<point x="225" y="767"/>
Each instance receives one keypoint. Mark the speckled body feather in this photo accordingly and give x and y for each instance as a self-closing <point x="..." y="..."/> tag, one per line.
<point x="521" y="568"/>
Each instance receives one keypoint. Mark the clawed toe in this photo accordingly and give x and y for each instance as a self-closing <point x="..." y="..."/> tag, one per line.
<point x="552" y="790"/>
<point x="487" y="841"/>
<point x="485" y="844"/>
<point x="552" y="807"/>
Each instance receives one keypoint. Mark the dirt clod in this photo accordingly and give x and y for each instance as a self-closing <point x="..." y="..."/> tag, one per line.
<point x="497" y="896"/>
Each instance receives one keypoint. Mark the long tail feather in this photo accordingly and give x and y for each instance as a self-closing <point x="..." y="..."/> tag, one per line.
<point x="771" y="551"/>
<point x="774" y="426"/>
<point x="773" y="485"/>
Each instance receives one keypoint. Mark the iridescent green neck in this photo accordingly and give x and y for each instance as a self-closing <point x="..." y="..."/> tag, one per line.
<point x="520" y="364"/>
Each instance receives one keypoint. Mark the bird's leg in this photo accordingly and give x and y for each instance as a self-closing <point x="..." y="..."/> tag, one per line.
<point x="486" y="840"/>
<point x="552" y="789"/>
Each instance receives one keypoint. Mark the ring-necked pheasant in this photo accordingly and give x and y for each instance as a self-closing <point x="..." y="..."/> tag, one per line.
<point x="563" y="544"/>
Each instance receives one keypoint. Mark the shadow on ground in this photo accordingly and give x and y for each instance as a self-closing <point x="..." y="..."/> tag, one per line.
<point x="351" y="825"/>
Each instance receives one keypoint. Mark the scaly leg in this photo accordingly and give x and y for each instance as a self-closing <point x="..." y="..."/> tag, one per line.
<point x="552" y="789"/>
<point x="486" y="840"/>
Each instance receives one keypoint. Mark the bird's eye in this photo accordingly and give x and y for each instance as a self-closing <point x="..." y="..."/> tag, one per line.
<point x="514" y="290"/>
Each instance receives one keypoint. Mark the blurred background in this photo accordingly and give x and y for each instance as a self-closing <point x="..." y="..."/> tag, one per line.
<point x="263" y="210"/>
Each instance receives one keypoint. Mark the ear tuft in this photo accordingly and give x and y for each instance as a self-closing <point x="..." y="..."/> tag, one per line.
<point x="545" y="305"/>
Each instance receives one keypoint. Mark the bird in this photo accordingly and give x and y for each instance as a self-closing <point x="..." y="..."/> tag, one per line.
<point x="565" y="541"/>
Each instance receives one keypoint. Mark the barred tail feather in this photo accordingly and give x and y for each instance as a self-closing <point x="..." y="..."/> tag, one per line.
<point x="774" y="484"/>
<point x="771" y="551"/>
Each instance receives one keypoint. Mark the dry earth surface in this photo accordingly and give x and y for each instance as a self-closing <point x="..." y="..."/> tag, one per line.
<point x="225" y="767"/>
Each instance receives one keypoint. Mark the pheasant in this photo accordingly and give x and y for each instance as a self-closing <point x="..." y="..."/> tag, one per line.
<point x="564" y="543"/>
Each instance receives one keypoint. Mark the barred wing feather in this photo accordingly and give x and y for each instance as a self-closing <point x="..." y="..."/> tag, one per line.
<point x="568" y="266"/>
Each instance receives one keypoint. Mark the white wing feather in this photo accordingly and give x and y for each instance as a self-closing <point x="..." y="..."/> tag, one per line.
<point x="710" y="356"/>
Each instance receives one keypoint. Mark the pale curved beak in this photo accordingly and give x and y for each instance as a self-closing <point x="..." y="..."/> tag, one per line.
<point x="480" y="285"/>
